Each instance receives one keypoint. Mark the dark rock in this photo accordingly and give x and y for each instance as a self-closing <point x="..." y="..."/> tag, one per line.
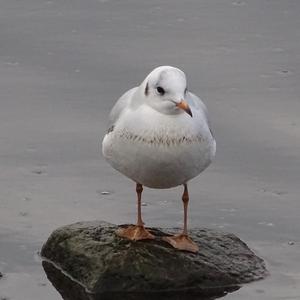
<point x="88" y="261"/>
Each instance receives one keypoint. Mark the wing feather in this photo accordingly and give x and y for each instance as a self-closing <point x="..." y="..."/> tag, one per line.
<point x="119" y="107"/>
<point x="196" y="104"/>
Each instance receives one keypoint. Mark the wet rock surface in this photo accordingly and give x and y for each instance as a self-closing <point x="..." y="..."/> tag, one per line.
<point x="87" y="260"/>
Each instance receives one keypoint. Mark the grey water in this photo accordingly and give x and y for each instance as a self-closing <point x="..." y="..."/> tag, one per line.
<point x="62" y="66"/>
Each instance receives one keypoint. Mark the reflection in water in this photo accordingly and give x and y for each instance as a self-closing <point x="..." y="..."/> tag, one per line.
<point x="71" y="289"/>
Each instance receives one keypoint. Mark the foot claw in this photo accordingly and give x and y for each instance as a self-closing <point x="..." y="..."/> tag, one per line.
<point x="182" y="242"/>
<point x="135" y="233"/>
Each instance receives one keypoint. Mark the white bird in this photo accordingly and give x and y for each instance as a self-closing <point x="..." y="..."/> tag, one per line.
<point x="159" y="136"/>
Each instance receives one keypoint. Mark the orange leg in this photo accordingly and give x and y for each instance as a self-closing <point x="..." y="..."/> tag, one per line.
<point x="182" y="241"/>
<point x="138" y="231"/>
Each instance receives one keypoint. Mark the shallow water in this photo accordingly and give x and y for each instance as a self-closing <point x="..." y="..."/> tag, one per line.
<point x="62" y="66"/>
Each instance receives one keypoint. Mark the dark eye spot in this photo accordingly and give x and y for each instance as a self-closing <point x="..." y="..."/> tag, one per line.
<point x="160" y="90"/>
<point x="147" y="90"/>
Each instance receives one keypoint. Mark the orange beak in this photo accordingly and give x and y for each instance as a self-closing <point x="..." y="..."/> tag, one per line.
<point x="183" y="105"/>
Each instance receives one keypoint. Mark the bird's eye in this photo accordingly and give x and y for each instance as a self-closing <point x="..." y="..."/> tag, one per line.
<point x="160" y="90"/>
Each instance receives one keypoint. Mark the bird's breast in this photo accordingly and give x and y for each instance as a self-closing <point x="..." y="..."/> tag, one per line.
<point x="157" y="159"/>
<point x="158" y="139"/>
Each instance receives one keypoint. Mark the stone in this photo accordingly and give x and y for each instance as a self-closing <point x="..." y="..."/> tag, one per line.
<point x="87" y="260"/>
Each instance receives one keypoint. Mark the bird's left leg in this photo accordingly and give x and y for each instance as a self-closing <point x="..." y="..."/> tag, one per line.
<point x="182" y="241"/>
<point x="138" y="231"/>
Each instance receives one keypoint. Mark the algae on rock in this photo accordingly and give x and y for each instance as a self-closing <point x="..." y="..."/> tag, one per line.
<point x="87" y="260"/>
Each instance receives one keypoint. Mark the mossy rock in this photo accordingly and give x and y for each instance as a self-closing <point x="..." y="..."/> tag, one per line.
<point x="87" y="260"/>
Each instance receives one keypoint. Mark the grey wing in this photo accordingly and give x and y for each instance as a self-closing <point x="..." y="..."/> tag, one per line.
<point x="119" y="107"/>
<point x="196" y="103"/>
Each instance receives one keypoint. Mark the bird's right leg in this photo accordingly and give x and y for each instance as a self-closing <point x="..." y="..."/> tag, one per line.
<point x="138" y="231"/>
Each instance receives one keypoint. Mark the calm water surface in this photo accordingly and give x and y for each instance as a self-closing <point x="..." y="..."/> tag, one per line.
<point x="62" y="66"/>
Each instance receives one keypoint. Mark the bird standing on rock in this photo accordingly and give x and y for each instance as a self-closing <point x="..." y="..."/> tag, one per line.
<point x="159" y="136"/>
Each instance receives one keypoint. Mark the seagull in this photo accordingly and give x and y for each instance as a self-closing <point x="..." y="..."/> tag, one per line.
<point x="159" y="136"/>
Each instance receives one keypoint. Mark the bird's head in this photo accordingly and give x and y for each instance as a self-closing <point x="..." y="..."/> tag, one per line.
<point x="165" y="89"/>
